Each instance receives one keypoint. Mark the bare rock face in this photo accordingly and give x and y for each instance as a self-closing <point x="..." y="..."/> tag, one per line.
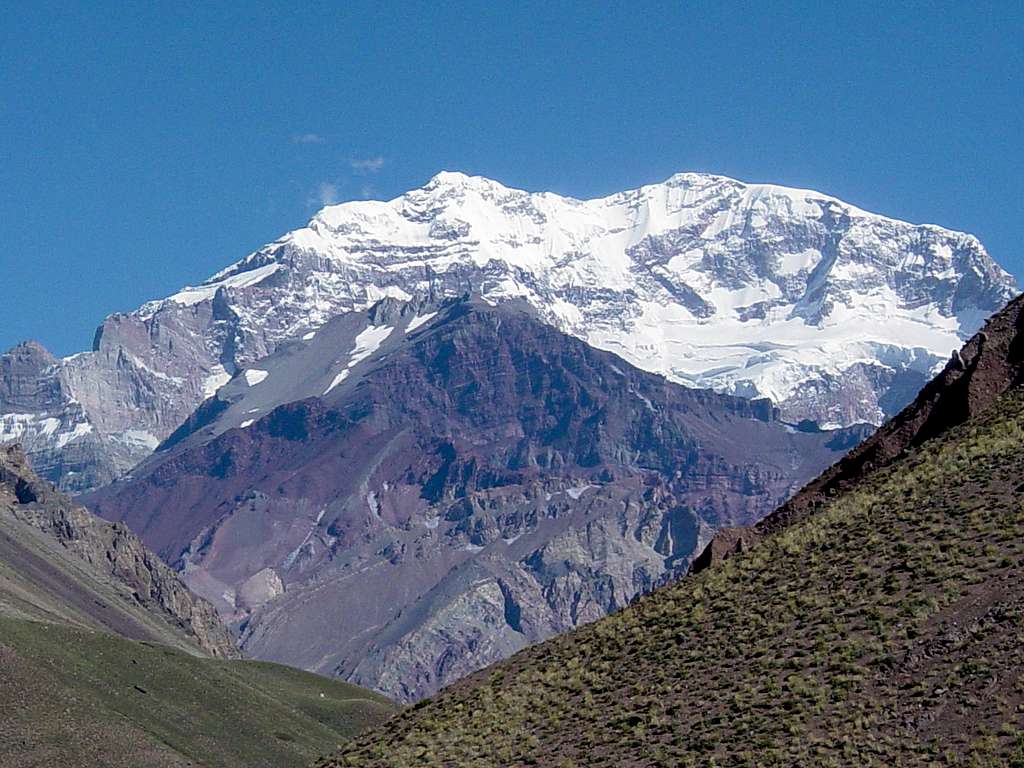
<point x="112" y="550"/>
<point x="259" y="589"/>
<point x="833" y="313"/>
<point x="437" y="485"/>
<point x="37" y="410"/>
<point x="726" y="543"/>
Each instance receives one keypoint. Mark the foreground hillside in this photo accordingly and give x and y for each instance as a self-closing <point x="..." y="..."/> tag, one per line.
<point x="106" y="658"/>
<point x="887" y="629"/>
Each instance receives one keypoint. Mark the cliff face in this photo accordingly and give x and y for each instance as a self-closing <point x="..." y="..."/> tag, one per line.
<point x="134" y="593"/>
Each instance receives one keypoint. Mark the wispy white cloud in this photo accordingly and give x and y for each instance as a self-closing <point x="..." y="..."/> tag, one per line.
<point x="330" y="192"/>
<point x="367" y="165"/>
<point x="308" y="138"/>
<point x="326" y="194"/>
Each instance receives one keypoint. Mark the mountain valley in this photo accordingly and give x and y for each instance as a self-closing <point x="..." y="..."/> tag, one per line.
<point x="511" y="385"/>
<point x="106" y="658"/>
<point x="467" y="443"/>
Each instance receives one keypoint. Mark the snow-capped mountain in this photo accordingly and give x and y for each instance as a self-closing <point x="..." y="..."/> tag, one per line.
<point x="834" y="313"/>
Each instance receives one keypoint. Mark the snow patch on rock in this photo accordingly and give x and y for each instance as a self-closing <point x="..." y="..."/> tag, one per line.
<point x="419" y="320"/>
<point x="216" y="379"/>
<point x="367" y="342"/>
<point x="254" y="376"/>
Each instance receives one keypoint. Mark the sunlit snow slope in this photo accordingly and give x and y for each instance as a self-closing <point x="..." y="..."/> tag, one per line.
<point x="758" y="290"/>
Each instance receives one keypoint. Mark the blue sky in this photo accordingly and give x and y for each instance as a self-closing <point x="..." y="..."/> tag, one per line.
<point x="145" y="146"/>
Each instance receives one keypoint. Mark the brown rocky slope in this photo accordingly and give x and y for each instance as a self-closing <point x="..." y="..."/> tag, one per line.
<point x="55" y="554"/>
<point x="879" y="626"/>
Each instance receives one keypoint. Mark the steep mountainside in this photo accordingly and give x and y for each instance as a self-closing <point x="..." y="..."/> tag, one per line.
<point x="59" y="562"/>
<point x="989" y="364"/>
<point x="415" y="491"/>
<point x="38" y="410"/>
<point x="884" y="629"/>
<point x="835" y="314"/>
<point x="103" y="656"/>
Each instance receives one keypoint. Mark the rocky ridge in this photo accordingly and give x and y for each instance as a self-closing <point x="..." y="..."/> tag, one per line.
<point x="112" y="555"/>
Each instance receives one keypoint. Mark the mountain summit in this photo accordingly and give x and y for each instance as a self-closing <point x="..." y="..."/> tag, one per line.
<point x="836" y="314"/>
<point x="751" y="289"/>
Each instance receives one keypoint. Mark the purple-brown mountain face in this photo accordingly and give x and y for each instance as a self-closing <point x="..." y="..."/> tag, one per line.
<point x="415" y="491"/>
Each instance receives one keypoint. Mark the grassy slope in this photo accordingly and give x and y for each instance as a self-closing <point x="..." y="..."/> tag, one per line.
<point x="70" y="696"/>
<point x="886" y="630"/>
<point x="89" y="678"/>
